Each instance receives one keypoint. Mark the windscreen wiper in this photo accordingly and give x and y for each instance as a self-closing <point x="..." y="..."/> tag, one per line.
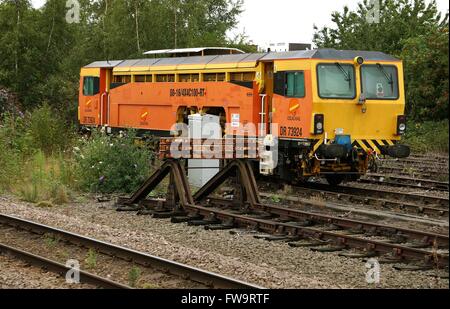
<point x="346" y="74"/>
<point x="389" y="78"/>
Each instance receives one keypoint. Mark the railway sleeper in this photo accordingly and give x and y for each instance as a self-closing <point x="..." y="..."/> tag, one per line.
<point x="184" y="219"/>
<point x="413" y="267"/>
<point x="358" y="254"/>
<point x="225" y="225"/>
<point x="308" y="243"/>
<point x="328" y="248"/>
<point x="208" y="220"/>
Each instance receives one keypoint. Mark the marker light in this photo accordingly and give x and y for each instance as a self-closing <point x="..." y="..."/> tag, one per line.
<point x="359" y="60"/>
<point x="401" y="125"/>
<point x="318" y="124"/>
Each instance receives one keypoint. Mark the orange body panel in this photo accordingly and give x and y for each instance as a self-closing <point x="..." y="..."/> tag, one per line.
<point x="154" y="106"/>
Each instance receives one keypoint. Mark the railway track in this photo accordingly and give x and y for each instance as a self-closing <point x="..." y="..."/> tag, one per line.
<point x="414" y="172"/>
<point x="58" y="268"/>
<point x="429" y="158"/>
<point x="318" y="231"/>
<point x="407" y="202"/>
<point x="184" y="272"/>
<point x="404" y="181"/>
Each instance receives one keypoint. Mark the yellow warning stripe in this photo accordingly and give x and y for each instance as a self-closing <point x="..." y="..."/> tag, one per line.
<point x="374" y="147"/>
<point x="390" y="142"/>
<point x="317" y="145"/>
<point x="380" y="142"/>
<point x="363" y="146"/>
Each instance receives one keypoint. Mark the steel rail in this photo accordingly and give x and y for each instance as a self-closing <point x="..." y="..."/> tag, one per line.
<point x="367" y="200"/>
<point x="415" y="173"/>
<point x="60" y="269"/>
<point x="401" y="196"/>
<point x="181" y="270"/>
<point x="402" y="181"/>
<point x="293" y="230"/>
<point x="423" y="161"/>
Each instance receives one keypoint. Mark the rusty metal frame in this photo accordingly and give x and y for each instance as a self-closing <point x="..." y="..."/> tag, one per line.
<point x="179" y="189"/>
<point x="179" y="192"/>
<point x="248" y="191"/>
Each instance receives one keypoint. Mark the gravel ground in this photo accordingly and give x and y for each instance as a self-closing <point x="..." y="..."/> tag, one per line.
<point x="15" y="274"/>
<point x="240" y="255"/>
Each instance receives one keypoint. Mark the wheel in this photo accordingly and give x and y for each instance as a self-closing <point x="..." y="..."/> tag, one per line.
<point x="334" y="180"/>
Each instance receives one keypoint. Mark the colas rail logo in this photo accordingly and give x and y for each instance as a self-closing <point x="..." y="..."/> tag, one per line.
<point x="294" y="106"/>
<point x="144" y="116"/>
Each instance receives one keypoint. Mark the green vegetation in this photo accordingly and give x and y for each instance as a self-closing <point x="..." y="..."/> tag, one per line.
<point x="51" y="240"/>
<point x="44" y="163"/>
<point x="91" y="259"/>
<point x="428" y="137"/>
<point x="111" y="164"/>
<point x="133" y="276"/>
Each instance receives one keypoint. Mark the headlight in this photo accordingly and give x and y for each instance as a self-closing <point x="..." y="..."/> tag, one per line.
<point x="401" y="125"/>
<point x="319" y="124"/>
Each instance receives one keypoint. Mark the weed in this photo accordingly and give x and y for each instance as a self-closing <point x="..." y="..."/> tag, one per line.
<point x="51" y="240"/>
<point x="91" y="259"/>
<point x="134" y="275"/>
<point x="275" y="198"/>
<point x="29" y="192"/>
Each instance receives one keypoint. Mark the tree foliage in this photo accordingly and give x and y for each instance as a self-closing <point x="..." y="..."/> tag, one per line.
<point x="41" y="54"/>
<point x="411" y="30"/>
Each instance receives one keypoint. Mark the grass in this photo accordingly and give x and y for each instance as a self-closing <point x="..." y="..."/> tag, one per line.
<point x="45" y="180"/>
<point x="428" y="137"/>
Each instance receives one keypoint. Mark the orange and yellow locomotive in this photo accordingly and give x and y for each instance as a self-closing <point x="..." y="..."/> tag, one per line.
<point x="335" y="111"/>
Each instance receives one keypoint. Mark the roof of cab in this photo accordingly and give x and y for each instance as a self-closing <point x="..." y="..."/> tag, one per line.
<point x="330" y="54"/>
<point x="235" y="60"/>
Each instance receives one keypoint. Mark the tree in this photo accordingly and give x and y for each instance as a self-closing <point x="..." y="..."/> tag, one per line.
<point x="426" y="75"/>
<point x="402" y="31"/>
<point x="20" y="42"/>
<point x="42" y="53"/>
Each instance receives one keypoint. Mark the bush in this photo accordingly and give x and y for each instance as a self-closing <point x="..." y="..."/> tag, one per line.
<point x="428" y="137"/>
<point x="9" y="166"/>
<point x="48" y="131"/>
<point x="43" y="129"/>
<point x="111" y="164"/>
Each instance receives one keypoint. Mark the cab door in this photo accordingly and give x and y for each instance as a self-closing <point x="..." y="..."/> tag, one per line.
<point x="292" y="103"/>
<point x="93" y="97"/>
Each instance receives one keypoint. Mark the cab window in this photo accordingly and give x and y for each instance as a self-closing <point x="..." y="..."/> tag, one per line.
<point x="379" y="82"/>
<point x="336" y="81"/>
<point x="290" y="84"/>
<point x="91" y="85"/>
<point x="295" y="84"/>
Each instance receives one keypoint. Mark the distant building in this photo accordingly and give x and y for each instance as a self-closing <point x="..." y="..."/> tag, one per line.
<point x="284" y="47"/>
